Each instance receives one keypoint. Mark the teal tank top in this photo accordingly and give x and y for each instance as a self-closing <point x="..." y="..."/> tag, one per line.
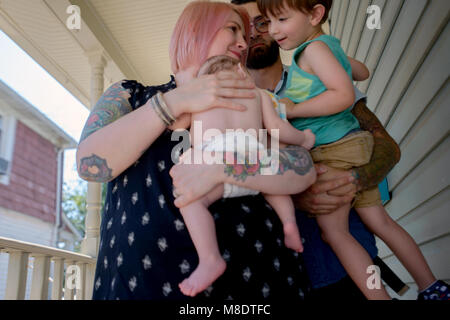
<point x="302" y="86"/>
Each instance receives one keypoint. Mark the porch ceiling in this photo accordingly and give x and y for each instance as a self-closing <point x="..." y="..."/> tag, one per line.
<point x="140" y="31"/>
<point x="133" y="34"/>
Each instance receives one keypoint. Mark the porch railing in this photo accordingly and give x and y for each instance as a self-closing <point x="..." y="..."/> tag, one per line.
<point x="73" y="273"/>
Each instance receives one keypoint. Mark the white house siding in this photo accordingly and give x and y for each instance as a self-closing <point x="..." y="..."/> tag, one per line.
<point x="409" y="92"/>
<point x="25" y="228"/>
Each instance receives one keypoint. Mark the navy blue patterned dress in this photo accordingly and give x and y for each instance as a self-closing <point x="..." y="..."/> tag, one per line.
<point x="145" y="248"/>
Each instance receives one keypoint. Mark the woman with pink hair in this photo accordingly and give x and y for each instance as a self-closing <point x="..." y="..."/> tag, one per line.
<point x="145" y="248"/>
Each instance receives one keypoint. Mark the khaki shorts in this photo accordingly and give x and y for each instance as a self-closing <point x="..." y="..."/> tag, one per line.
<point x="353" y="150"/>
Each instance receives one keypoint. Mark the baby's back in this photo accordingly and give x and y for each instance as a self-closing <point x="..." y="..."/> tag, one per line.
<point x="223" y="118"/>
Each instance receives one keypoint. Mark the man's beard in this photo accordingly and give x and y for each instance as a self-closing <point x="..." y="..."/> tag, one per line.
<point x="263" y="57"/>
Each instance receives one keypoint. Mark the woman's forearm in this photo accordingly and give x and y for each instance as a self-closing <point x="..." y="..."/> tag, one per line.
<point x="385" y="155"/>
<point x="295" y="173"/>
<point x="115" y="136"/>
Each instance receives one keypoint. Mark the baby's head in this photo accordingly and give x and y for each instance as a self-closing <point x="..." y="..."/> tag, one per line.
<point x="300" y="18"/>
<point x="219" y="63"/>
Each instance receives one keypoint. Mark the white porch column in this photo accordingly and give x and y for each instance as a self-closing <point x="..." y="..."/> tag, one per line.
<point x="91" y="240"/>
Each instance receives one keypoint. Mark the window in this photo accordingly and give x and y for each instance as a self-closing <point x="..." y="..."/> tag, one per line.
<point x="7" y="138"/>
<point x="1" y="119"/>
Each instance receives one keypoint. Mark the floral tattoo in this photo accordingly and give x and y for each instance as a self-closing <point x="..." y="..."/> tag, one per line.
<point x="293" y="158"/>
<point x="95" y="169"/>
<point x="112" y="105"/>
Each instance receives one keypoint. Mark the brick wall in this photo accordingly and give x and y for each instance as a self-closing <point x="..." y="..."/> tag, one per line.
<point x="32" y="187"/>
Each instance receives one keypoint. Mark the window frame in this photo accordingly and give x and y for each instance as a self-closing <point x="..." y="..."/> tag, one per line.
<point x="7" y="142"/>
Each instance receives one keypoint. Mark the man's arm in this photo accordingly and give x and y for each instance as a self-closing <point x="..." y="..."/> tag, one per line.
<point x="386" y="152"/>
<point x="359" y="70"/>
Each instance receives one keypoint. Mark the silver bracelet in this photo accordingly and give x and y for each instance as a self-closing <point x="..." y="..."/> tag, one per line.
<point x="164" y="108"/>
<point x="157" y="108"/>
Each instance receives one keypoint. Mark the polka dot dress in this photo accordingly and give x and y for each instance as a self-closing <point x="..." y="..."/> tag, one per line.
<point x="146" y="251"/>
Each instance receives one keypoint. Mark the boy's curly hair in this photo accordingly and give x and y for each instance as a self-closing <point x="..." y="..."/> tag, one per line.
<point x="274" y="6"/>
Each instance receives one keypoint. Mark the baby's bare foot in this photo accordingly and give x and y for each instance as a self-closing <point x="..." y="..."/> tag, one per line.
<point x="203" y="276"/>
<point x="292" y="238"/>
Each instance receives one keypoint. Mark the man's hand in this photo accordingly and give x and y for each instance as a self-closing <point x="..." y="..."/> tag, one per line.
<point x="333" y="189"/>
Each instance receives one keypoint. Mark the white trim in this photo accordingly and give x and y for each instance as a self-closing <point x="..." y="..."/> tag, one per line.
<point x="11" y="103"/>
<point x="7" y="143"/>
<point x="69" y="224"/>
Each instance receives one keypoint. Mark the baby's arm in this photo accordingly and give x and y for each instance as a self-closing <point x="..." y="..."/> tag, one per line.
<point x="183" y="122"/>
<point x="359" y="70"/>
<point x="287" y="133"/>
<point x="339" y="94"/>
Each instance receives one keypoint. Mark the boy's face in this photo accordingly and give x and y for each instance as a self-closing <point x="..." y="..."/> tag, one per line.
<point x="290" y="27"/>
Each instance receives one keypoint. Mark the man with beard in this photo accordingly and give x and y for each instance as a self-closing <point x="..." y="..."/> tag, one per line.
<point x="333" y="188"/>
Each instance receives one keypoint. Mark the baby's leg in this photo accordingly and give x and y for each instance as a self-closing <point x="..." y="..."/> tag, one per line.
<point x="284" y="207"/>
<point x="351" y="254"/>
<point x="202" y="230"/>
<point x="400" y="242"/>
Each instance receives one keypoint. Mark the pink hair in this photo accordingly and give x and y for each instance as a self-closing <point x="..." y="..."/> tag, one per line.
<point x="195" y="29"/>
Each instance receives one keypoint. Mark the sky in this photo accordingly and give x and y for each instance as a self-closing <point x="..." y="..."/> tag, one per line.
<point x="20" y="72"/>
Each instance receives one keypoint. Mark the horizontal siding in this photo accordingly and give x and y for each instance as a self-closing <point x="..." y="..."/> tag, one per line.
<point x="374" y="41"/>
<point x="32" y="187"/>
<point x="25" y="228"/>
<point x="409" y="91"/>
<point x="430" y="129"/>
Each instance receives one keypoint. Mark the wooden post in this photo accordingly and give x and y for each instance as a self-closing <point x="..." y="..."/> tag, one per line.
<point x="39" y="283"/>
<point x="70" y="279"/>
<point x="58" y="276"/>
<point x="17" y="275"/>
<point x="91" y="241"/>
<point x="89" y="281"/>
<point x="80" y="292"/>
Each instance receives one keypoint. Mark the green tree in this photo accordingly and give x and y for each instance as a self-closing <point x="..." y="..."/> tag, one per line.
<point x="74" y="205"/>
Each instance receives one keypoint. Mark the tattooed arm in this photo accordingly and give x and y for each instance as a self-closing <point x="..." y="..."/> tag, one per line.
<point x="294" y="174"/>
<point x="386" y="152"/>
<point x="334" y="187"/>
<point x="115" y="136"/>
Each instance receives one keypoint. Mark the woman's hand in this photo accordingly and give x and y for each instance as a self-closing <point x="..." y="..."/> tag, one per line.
<point x="333" y="189"/>
<point x="210" y="91"/>
<point x="192" y="181"/>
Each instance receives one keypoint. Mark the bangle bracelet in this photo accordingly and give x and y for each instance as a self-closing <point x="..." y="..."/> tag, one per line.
<point x="160" y="111"/>
<point x="163" y="105"/>
<point x="157" y="110"/>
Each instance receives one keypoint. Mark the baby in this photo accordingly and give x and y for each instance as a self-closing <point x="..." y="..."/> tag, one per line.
<point x="200" y="224"/>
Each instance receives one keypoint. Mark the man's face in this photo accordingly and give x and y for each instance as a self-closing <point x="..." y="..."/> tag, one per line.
<point x="263" y="51"/>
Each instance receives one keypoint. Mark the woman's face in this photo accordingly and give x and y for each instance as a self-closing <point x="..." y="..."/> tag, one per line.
<point x="230" y="39"/>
